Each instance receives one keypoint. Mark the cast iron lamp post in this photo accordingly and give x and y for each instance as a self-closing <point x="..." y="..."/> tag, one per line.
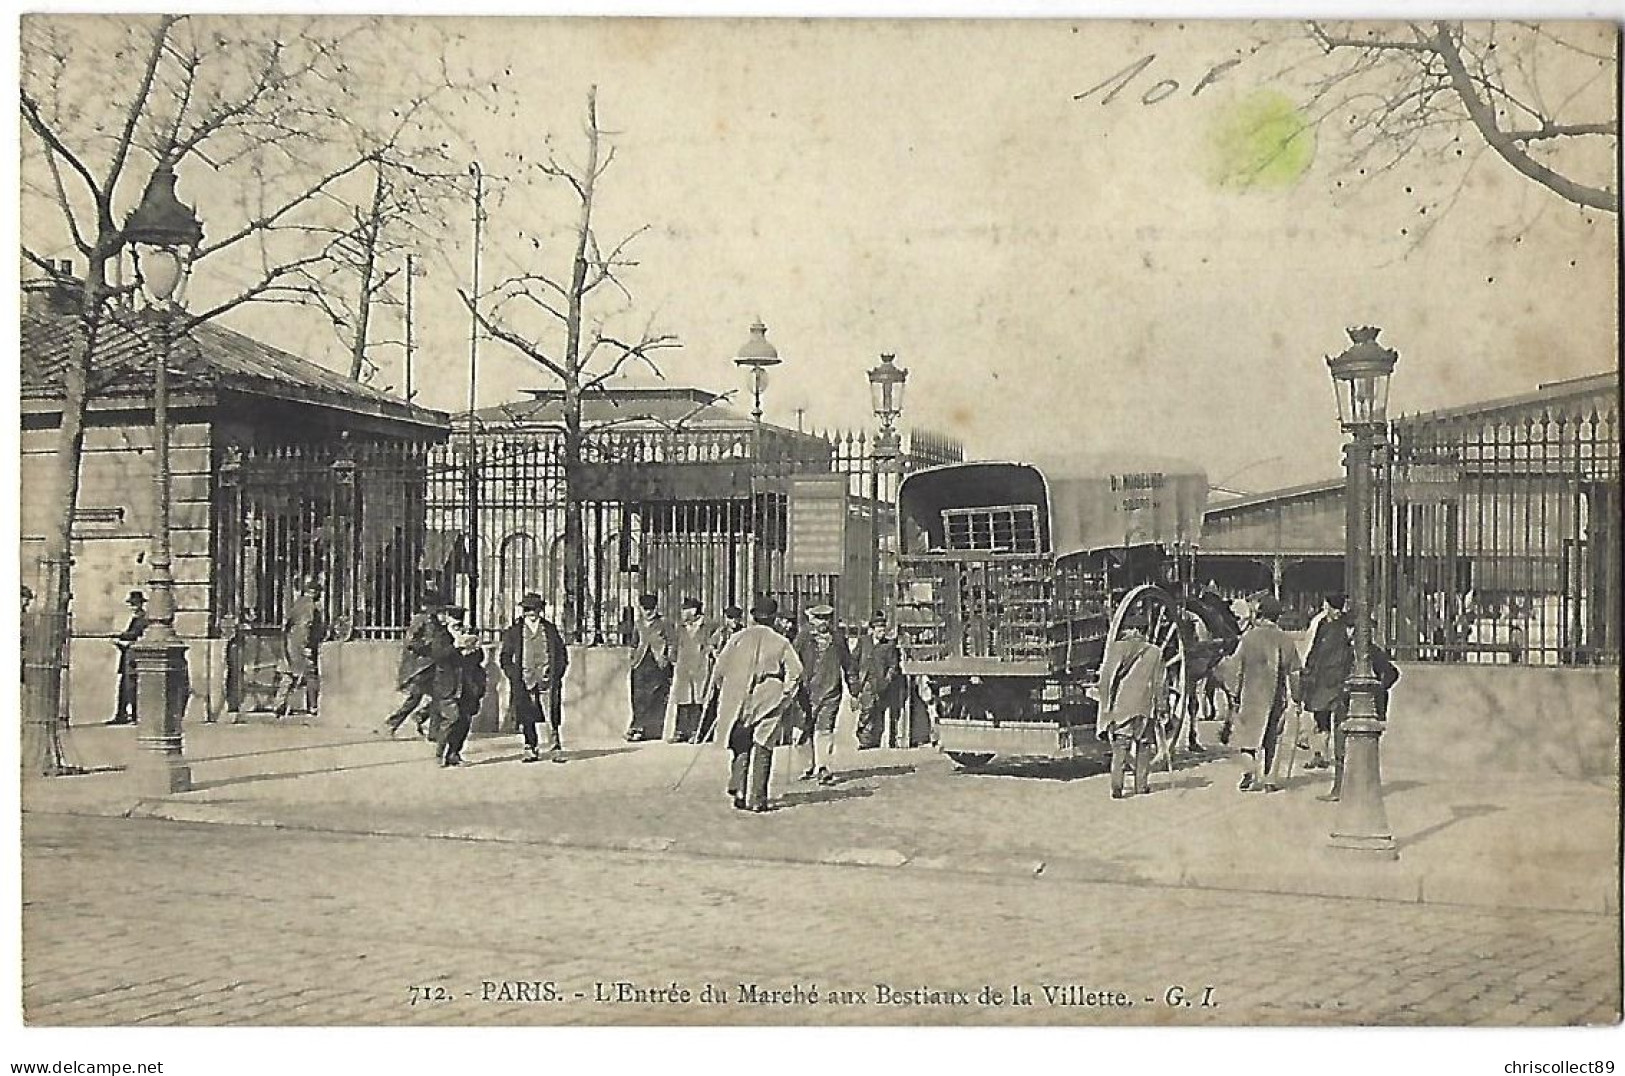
<point x="1360" y="376"/>
<point x="886" y="383"/>
<point x="755" y="357"/>
<point x="164" y="235"/>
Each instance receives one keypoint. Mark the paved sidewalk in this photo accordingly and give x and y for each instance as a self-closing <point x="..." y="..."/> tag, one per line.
<point x="1511" y="842"/>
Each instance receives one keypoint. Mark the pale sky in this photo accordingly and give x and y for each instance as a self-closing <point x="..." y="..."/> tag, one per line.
<point x="1053" y="273"/>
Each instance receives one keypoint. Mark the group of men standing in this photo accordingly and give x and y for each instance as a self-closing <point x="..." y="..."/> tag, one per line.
<point x="748" y="680"/>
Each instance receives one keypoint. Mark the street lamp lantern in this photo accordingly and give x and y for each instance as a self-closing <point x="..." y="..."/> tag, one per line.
<point x="886" y="383"/>
<point x="163" y="234"/>
<point x="1360" y="376"/>
<point x="756" y="356"/>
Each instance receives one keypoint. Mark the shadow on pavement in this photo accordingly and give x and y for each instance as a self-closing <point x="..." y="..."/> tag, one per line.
<point x="284" y="775"/>
<point x="1459" y="813"/>
<point x="841" y="777"/>
<point x="1048" y="769"/>
<point x="824" y="794"/>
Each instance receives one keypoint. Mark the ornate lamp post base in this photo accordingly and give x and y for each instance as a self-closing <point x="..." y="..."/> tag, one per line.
<point x="162" y="687"/>
<point x="1361" y="826"/>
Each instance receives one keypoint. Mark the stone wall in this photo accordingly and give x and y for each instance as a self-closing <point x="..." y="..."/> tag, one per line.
<point x="358" y="689"/>
<point x="1468" y="720"/>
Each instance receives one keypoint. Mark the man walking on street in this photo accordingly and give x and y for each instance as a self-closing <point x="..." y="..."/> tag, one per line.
<point x="755" y="681"/>
<point x="302" y="633"/>
<point x="534" y="658"/>
<point x="651" y="671"/>
<point x="878" y="673"/>
<point x="692" y="672"/>
<point x="826" y="666"/>
<point x="124" y="708"/>
<point x="416" y="673"/>
<point x="1269" y="674"/>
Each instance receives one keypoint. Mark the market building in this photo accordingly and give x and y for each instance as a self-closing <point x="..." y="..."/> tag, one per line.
<point x="1498" y="532"/>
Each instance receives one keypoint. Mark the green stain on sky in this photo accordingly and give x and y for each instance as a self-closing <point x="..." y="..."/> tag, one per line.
<point x="1262" y="141"/>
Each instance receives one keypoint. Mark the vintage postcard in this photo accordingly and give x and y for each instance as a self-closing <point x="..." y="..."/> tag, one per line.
<point x="974" y="522"/>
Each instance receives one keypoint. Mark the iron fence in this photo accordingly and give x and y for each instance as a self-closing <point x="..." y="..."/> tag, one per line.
<point x="1502" y="537"/>
<point x="703" y="514"/>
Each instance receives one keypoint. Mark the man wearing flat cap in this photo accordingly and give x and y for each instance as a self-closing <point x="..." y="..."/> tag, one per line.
<point x="428" y="668"/>
<point x="877" y="675"/>
<point x="826" y="662"/>
<point x="755" y="680"/>
<point x="652" y="657"/>
<point x="534" y="658"/>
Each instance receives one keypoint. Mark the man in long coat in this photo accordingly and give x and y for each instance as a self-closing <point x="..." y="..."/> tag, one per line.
<point x="755" y="680"/>
<point x="1268" y="671"/>
<point x="302" y="633"/>
<point x="877" y="673"/>
<point x="652" y="657"/>
<point x="691" y="671"/>
<point x="1325" y="675"/>
<point x="427" y="671"/>
<point x="534" y="658"/>
<point x="733" y="622"/>
<point x="1130" y="676"/>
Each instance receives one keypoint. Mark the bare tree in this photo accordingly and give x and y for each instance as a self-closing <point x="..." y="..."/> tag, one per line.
<point x="590" y="354"/>
<point x="269" y="105"/>
<point x="1539" y="97"/>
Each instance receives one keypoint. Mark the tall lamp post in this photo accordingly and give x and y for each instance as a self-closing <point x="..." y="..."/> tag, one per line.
<point x="473" y="564"/>
<point x="164" y="235"/>
<point x="755" y="357"/>
<point x="886" y="382"/>
<point x="1360" y="376"/>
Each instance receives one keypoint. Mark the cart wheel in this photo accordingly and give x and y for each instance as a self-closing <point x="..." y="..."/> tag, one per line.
<point x="1167" y="631"/>
<point x="970" y="760"/>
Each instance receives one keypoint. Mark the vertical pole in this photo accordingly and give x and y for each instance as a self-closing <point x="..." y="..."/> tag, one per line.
<point x="1362" y="819"/>
<point x="159" y="657"/>
<point x="874" y="528"/>
<point x="411" y="271"/>
<point x="473" y="384"/>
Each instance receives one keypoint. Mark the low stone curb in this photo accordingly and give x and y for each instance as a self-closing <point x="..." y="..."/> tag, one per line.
<point x="1399" y="886"/>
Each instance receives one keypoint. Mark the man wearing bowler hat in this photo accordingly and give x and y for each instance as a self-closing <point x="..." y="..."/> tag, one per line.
<point x="124" y="710"/>
<point x="533" y="657"/>
<point x="652" y="658"/>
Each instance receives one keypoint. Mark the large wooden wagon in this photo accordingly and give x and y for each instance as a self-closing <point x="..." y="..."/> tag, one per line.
<point x="1012" y="576"/>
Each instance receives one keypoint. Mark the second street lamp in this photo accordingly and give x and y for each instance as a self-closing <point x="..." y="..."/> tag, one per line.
<point x="886" y="382"/>
<point x="1360" y="376"/>
<point x="756" y="356"/>
<point x="163" y="234"/>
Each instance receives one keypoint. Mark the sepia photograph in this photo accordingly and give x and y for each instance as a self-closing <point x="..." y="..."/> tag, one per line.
<point x="1039" y="522"/>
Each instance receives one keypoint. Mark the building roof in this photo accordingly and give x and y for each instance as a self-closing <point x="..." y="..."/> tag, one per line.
<point x="1276" y="496"/>
<point x="627" y="407"/>
<point x="1604" y="387"/>
<point x="210" y="357"/>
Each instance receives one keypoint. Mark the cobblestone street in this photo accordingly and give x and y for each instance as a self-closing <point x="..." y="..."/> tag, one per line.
<point x="133" y="922"/>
